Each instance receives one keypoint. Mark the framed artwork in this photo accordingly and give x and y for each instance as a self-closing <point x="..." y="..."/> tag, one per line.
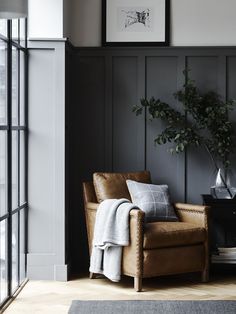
<point x="135" y="22"/>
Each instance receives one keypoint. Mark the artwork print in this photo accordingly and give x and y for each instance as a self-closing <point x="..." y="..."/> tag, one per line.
<point x="135" y="23"/>
<point x="135" y="19"/>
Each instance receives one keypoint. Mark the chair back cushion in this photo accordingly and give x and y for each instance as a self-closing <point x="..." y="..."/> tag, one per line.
<point x="113" y="185"/>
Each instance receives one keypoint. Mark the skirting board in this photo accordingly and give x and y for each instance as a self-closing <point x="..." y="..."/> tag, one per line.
<point x="48" y="272"/>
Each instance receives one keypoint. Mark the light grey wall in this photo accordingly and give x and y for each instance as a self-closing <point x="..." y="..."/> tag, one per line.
<point x="193" y="22"/>
<point x="46" y="257"/>
<point x="85" y="22"/>
<point x="45" y="19"/>
<point x="203" y="22"/>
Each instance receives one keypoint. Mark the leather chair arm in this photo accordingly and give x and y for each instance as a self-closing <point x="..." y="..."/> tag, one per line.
<point x="90" y="214"/>
<point x="92" y="206"/>
<point x="133" y="254"/>
<point x="195" y="214"/>
<point x="134" y="250"/>
<point x="199" y="215"/>
<point x="138" y="214"/>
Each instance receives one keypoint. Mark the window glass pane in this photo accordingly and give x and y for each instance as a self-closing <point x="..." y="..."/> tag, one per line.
<point x="14" y="252"/>
<point x="17" y="161"/>
<point x="3" y="260"/>
<point x="14" y="169"/>
<point x="3" y="27"/>
<point x="22" y="245"/>
<point x="22" y="33"/>
<point x="22" y="88"/>
<point x="3" y="82"/>
<point x="15" y="30"/>
<point x="22" y="167"/>
<point x="14" y="86"/>
<point x="3" y="173"/>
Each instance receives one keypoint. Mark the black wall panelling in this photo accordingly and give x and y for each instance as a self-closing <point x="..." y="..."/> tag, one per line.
<point x="110" y="81"/>
<point x="87" y="145"/>
<point x="161" y="82"/>
<point x="125" y="127"/>
<point x="107" y="136"/>
<point x="231" y="94"/>
<point x="200" y="171"/>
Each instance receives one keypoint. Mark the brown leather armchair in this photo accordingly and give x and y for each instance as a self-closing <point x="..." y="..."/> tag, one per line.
<point x="157" y="248"/>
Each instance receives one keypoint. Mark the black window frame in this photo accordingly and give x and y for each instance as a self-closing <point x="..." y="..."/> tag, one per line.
<point x="9" y="128"/>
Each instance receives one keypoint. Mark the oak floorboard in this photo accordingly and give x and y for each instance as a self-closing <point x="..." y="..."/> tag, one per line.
<point x="49" y="297"/>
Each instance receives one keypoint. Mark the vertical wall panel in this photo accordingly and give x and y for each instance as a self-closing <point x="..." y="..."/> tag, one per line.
<point x="200" y="171"/>
<point x="47" y="213"/>
<point x="41" y="152"/>
<point x="128" y="130"/>
<point x="89" y="114"/>
<point x="231" y="94"/>
<point x="162" y="83"/>
<point x="87" y="144"/>
<point x="203" y="70"/>
<point x="231" y="83"/>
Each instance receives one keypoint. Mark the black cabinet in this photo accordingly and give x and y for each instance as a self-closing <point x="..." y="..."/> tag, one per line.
<point x="222" y="229"/>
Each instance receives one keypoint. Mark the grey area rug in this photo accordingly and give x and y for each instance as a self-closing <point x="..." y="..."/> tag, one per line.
<point x="151" y="307"/>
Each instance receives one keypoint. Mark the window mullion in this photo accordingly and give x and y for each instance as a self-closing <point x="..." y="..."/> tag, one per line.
<point x="18" y="159"/>
<point x="26" y="77"/>
<point x="9" y="153"/>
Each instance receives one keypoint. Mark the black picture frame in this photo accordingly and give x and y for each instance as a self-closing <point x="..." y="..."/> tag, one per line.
<point x="143" y="43"/>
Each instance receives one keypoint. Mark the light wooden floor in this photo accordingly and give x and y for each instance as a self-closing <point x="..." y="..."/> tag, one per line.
<point x="47" y="297"/>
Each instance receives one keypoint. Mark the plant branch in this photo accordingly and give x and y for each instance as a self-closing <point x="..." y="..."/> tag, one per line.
<point x="205" y="123"/>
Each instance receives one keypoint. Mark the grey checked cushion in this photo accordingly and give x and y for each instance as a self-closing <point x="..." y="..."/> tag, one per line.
<point x="154" y="200"/>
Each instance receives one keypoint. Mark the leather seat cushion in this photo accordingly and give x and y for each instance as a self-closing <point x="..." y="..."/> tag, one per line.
<point x="113" y="185"/>
<point x="172" y="234"/>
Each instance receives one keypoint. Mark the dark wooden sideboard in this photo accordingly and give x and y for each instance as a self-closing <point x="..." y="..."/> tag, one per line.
<point x="222" y="229"/>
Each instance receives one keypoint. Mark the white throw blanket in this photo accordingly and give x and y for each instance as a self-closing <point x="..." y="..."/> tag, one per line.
<point x="111" y="232"/>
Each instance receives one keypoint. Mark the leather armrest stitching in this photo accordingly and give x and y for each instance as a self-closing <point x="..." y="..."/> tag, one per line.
<point x="194" y="211"/>
<point x="138" y="241"/>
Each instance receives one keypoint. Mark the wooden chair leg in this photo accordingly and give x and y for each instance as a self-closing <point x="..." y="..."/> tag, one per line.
<point x="205" y="275"/>
<point x="138" y="284"/>
<point x="92" y="276"/>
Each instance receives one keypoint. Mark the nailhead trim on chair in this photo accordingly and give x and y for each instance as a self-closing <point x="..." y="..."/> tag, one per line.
<point x="192" y="210"/>
<point x="196" y="212"/>
<point x="139" y="245"/>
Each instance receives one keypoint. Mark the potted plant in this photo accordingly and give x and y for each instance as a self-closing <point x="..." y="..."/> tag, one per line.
<point x="203" y="122"/>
